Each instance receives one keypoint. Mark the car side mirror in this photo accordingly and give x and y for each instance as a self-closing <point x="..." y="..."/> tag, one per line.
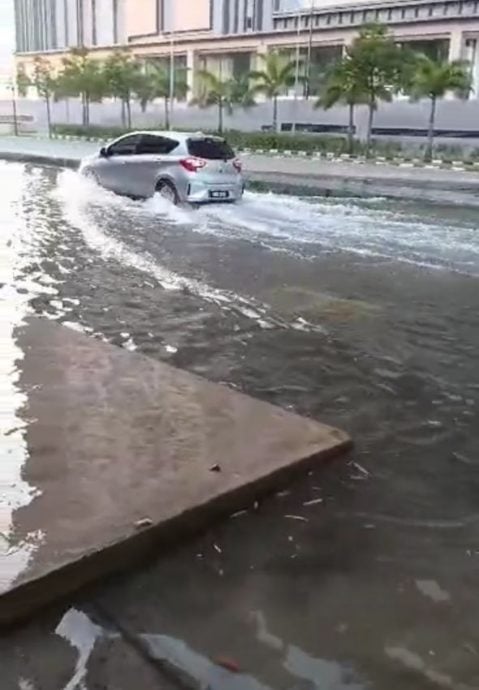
<point x="104" y="152"/>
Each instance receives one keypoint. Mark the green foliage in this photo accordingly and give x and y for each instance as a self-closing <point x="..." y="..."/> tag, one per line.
<point x="156" y="83"/>
<point x="225" y="94"/>
<point x="122" y="74"/>
<point x="433" y="79"/>
<point x="275" y="77"/>
<point x="84" y="77"/>
<point x="343" y="85"/>
<point x="44" y="82"/>
<point x="379" y="65"/>
<point x="23" y="81"/>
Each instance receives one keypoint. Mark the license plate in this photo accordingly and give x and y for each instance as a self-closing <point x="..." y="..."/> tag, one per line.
<point x="219" y="195"/>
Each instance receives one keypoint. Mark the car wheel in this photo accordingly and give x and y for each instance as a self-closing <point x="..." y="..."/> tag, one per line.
<point x="168" y="191"/>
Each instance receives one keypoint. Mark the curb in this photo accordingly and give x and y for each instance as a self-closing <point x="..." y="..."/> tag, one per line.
<point x="397" y="161"/>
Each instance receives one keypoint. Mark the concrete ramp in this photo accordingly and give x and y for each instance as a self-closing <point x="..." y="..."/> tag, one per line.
<point x="110" y="455"/>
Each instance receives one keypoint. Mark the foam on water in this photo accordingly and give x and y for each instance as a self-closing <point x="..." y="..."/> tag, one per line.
<point x="77" y="195"/>
<point x="312" y="226"/>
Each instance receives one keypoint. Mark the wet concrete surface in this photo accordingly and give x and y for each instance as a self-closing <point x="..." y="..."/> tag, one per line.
<point x="361" y="313"/>
<point x="126" y="454"/>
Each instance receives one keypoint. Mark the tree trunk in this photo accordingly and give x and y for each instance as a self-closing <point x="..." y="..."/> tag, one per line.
<point x="370" y="128"/>
<point x="49" y="116"/>
<point x="220" y="116"/>
<point x="84" y="110"/>
<point x="128" y="112"/>
<point x="275" y="113"/>
<point x="351" y="129"/>
<point x="430" y="131"/>
<point x="167" y="113"/>
<point x="123" y="114"/>
<point x="87" y="110"/>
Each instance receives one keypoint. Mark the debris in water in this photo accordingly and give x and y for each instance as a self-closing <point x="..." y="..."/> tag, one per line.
<point x="239" y="513"/>
<point x="360" y="468"/>
<point x="144" y="522"/>
<point x="462" y="458"/>
<point x="280" y="494"/>
<point x="313" y="502"/>
<point x="215" y="468"/>
<point x="297" y="517"/>
<point x="171" y="349"/>
<point x="217" y="548"/>
<point x="227" y="663"/>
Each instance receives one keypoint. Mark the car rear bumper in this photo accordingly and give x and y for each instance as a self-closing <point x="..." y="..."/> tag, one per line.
<point x="204" y="193"/>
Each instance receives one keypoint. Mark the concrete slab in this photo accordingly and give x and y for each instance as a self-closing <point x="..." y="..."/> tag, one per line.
<point x="110" y="454"/>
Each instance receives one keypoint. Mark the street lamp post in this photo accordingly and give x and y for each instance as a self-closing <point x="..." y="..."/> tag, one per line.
<point x="296" y="75"/>
<point x="310" y="50"/>
<point x="172" y="73"/>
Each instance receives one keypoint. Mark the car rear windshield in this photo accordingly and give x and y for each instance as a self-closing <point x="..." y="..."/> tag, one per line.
<point x="210" y="149"/>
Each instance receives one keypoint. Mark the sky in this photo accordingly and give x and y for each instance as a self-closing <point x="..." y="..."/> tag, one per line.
<point x="7" y="35"/>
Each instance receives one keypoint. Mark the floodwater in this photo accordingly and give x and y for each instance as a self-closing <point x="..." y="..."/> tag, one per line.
<point x="362" y="313"/>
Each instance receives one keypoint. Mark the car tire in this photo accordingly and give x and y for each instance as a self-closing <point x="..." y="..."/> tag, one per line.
<point x="168" y="191"/>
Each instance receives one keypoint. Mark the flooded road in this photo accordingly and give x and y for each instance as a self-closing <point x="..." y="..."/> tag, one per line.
<point x="362" y="313"/>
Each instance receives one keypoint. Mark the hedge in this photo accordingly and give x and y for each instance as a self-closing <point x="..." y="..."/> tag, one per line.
<point x="310" y="143"/>
<point x="265" y="141"/>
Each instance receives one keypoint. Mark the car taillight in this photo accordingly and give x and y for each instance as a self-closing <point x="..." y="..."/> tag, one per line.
<point x="192" y="164"/>
<point x="237" y="165"/>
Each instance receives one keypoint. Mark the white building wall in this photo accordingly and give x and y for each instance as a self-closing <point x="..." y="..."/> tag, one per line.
<point x="121" y="28"/>
<point x="104" y="22"/>
<point x="60" y="20"/>
<point x="71" y="22"/>
<point x="87" y="23"/>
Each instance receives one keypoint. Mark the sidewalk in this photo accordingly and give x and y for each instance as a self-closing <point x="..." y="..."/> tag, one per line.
<point x="299" y="173"/>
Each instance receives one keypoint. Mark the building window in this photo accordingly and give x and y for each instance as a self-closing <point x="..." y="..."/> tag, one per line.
<point x="403" y="13"/>
<point x="226" y="17"/>
<point x="459" y="8"/>
<point x="93" y="23"/>
<point x="416" y="12"/>
<point x="340" y="18"/>
<point x="328" y="19"/>
<point x="317" y="20"/>
<point x="390" y="14"/>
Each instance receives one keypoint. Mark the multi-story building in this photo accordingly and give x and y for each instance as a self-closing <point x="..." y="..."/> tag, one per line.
<point x="227" y="35"/>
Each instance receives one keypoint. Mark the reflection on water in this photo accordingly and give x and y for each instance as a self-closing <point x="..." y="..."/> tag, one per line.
<point x="82" y="634"/>
<point x="15" y="550"/>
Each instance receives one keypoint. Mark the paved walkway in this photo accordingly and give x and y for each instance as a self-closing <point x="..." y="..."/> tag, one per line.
<point x="323" y="175"/>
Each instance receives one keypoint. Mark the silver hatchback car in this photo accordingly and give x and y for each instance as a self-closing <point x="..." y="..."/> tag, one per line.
<point x="182" y="167"/>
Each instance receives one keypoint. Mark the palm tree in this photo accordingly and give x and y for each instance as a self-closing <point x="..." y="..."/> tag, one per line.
<point x="156" y="83"/>
<point x="432" y="79"/>
<point x="343" y="86"/>
<point x="225" y="94"/>
<point x="276" y="76"/>
<point x="378" y="65"/>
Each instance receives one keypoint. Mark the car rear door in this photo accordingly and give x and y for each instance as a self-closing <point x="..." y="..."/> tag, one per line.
<point x="116" y="171"/>
<point x="219" y="159"/>
<point x="155" y="153"/>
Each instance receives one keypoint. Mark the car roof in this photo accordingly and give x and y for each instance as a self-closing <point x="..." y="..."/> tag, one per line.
<point x="180" y="136"/>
